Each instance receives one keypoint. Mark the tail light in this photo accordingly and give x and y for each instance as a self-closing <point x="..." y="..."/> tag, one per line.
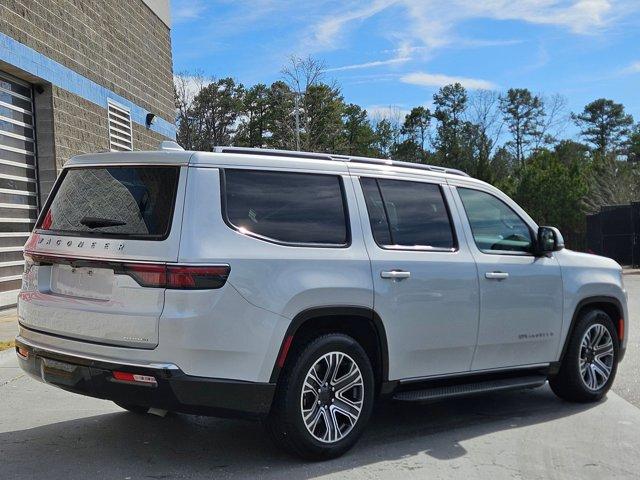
<point x="157" y="275"/>
<point x="47" y="221"/>
<point x="181" y="277"/>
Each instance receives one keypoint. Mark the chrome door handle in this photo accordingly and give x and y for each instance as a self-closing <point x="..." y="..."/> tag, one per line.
<point x="496" y="275"/>
<point x="395" y="274"/>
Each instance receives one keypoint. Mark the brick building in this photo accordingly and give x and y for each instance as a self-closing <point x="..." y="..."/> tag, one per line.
<point x="76" y="76"/>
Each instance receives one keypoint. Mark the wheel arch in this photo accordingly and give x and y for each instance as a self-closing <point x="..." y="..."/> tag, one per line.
<point x="355" y="321"/>
<point x="611" y="305"/>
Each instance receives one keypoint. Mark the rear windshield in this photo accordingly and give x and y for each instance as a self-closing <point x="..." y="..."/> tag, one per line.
<point x="118" y="202"/>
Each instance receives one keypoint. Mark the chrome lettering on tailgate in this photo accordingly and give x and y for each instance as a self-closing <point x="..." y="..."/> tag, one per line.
<point x="50" y="242"/>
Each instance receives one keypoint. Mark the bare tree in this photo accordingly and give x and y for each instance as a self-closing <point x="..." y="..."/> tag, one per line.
<point x="485" y="126"/>
<point x="396" y="117"/>
<point x="484" y="112"/>
<point x="300" y="75"/>
<point x="555" y="120"/>
<point x="185" y="87"/>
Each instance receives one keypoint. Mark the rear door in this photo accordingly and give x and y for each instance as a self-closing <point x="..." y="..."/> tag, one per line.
<point x="79" y="279"/>
<point x="426" y="288"/>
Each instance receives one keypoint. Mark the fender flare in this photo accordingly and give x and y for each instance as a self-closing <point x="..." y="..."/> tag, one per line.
<point x="335" y="311"/>
<point x="583" y="303"/>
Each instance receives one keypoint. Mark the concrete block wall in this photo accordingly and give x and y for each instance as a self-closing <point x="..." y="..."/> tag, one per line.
<point x="119" y="44"/>
<point x="81" y="53"/>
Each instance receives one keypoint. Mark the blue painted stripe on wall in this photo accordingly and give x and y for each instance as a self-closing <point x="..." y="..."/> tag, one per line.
<point x="27" y="59"/>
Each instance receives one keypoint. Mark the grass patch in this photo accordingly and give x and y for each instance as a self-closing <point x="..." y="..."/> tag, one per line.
<point x="7" y="345"/>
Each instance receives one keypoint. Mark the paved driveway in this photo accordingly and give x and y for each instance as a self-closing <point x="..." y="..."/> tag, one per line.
<point x="48" y="433"/>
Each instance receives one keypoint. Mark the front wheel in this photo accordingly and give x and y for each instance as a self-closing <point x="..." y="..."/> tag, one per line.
<point x="324" y="399"/>
<point x="591" y="360"/>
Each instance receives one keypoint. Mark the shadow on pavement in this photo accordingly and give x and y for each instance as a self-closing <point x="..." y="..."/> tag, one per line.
<point x="124" y="445"/>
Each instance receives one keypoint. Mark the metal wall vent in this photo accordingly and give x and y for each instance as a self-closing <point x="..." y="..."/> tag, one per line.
<point x="120" y="133"/>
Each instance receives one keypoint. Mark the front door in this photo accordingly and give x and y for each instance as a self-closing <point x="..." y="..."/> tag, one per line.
<point x="426" y="288"/>
<point x="520" y="294"/>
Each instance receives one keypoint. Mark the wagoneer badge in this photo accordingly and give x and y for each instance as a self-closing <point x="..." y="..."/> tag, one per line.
<point x="86" y="245"/>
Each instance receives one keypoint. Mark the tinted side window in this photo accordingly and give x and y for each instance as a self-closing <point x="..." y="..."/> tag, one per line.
<point x="495" y="226"/>
<point x="377" y="215"/>
<point x="296" y="208"/>
<point x="408" y="214"/>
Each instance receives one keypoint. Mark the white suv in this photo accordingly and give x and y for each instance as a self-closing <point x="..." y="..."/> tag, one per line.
<point x="299" y="287"/>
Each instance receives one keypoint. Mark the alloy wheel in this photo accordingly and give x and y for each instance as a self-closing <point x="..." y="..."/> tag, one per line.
<point x="332" y="397"/>
<point x="596" y="357"/>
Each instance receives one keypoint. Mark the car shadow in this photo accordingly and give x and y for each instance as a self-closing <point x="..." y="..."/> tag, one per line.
<point x="128" y="446"/>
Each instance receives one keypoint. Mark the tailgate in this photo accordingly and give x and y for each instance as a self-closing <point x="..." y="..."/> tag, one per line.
<point x="101" y="226"/>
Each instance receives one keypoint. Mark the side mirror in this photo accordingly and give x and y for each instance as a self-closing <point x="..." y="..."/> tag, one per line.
<point x="549" y="240"/>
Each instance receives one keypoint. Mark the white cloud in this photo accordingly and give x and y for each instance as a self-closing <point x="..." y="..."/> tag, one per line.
<point x="633" y="67"/>
<point x="186" y="10"/>
<point x="424" y="79"/>
<point x="327" y="33"/>
<point x="377" y="63"/>
<point x="430" y="24"/>
<point x="394" y="113"/>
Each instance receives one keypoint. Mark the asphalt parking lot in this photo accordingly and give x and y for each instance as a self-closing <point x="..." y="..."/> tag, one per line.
<point x="52" y="434"/>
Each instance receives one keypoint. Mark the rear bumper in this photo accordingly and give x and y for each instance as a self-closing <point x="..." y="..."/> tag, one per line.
<point x="175" y="390"/>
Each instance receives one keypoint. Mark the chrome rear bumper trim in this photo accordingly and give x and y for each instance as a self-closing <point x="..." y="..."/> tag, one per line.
<point x="159" y="366"/>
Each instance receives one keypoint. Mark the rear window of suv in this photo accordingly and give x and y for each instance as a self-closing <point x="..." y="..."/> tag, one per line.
<point x="116" y="202"/>
<point x="285" y="207"/>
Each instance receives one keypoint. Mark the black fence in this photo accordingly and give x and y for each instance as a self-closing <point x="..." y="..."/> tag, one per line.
<point x="615" y="232"/>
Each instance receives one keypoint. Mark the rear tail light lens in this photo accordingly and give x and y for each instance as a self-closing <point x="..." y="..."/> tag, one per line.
<point x="197" y="277"/>
<point x="180" y="277"/>
<point x="47" y="221"/>
<point x="147" y="275"/>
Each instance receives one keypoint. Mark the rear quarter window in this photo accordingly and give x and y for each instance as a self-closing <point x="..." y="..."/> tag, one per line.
<point x="283" y="207"/>
<point x="116" y="202"/>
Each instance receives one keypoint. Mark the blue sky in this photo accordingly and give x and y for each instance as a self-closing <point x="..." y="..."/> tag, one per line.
<point x="399" y="52"/>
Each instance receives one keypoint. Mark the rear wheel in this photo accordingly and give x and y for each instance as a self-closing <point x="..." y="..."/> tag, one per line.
<point x="591" y="360"/>
<point x="140" y="410"/>
<point x="325" y="398"/>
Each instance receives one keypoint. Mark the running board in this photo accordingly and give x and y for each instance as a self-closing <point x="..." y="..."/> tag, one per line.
<point x="463" y="389"/>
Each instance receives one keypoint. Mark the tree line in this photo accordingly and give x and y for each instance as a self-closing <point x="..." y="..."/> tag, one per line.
<point x="514" y="139"/>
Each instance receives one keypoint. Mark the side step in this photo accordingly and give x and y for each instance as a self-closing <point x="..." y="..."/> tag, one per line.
<point x="463" y="389"/>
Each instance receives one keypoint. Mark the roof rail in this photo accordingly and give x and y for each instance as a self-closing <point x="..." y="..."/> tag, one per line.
<point x="343" y="158"/>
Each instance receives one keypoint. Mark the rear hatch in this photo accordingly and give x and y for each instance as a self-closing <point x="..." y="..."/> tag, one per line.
<point x="95" y="265"/>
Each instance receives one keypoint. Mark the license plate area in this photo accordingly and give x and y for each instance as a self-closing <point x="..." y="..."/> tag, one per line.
<point x="83" y="282"/>
<point x="59" y="373"/>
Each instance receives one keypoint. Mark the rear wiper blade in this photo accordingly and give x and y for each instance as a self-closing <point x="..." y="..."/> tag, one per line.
<point x="97" y="222"/>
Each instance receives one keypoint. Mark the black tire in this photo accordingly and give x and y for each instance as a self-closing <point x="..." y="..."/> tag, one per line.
<point x="286" y="424"/>
<point x="137" y="409"/>
<point x="568" y="384"/>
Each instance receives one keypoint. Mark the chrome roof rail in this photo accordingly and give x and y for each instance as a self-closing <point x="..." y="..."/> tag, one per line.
<point x="343" y="158"/>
